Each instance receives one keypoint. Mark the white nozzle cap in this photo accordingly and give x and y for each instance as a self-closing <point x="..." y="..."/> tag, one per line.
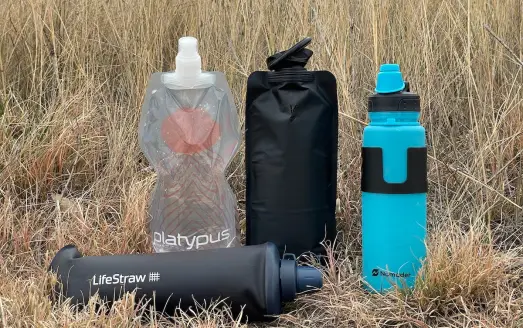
<point x="188" y="61"/>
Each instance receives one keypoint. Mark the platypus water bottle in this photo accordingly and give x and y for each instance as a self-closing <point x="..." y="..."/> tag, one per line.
<point x="393" y="184"/>
<point x="189" y="131"/>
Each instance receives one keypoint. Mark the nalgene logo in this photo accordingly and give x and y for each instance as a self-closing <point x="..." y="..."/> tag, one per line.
<point x="378" y="272"/>
<point x="192" y="242"/>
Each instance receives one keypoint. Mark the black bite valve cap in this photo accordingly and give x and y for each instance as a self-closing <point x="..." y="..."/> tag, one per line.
<point x="297" y="55"/>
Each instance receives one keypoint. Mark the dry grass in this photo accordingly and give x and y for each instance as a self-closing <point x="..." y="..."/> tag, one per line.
<point x="72" y="78"/>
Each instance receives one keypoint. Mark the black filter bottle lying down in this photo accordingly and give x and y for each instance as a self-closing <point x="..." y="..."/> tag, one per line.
<point x="252" y="278"/>
<point x="291" y="146"/>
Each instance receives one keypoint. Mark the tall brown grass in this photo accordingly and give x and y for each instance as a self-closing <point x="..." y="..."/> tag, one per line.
<point x="72" y="79"/>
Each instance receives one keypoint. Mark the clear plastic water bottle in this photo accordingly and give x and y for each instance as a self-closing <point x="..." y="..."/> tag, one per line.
<point x="189" y="132"/>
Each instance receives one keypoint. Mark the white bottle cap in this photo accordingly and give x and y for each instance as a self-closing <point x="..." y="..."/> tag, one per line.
<point x="188" y="61"/>
<point x="188" y="72"/>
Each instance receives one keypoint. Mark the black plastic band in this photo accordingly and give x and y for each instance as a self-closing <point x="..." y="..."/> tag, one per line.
<point x="394" y="102"/>
<point x="372" y="172"/>
<point x="298" y="75"/>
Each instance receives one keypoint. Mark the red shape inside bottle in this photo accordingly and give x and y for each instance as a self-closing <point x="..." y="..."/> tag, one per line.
<point x="190" y="130"/>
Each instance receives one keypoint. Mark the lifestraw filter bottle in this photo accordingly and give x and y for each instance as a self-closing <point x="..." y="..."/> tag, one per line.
<point x="251" y="279"/>
<point x="189" y="132"/>
<point x="291" y="150"/>
<point x="394" y="184"/>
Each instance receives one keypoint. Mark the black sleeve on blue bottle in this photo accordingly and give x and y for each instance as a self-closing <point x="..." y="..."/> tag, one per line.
<point x="372" y="179"/>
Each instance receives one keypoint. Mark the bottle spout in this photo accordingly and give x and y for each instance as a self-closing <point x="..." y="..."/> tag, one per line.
<point x="188" y="73"/>
<point x="307" y="279"/>
<point x="188" y="60"/>
<point x="296" y="279"/>
<point x="389" y="79"/>
<point x="296" y="56"/>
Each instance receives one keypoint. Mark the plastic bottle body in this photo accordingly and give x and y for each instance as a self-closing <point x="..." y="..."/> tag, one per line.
<point x="251" y="279"/>
<point x="193" y="208"/>
<point x="189" y="131"/>
<point x="189" y="135"/>
<point x="393" y="225"/>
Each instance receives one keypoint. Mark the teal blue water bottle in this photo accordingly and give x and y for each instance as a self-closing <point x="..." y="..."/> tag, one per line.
<point x="393" y="185"/>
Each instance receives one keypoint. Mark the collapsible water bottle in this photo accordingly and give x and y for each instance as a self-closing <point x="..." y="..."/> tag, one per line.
<point x="189" y="132"/>
<point x="252" y="280"/>
<point x="393" y="184"/>
<point x="291" y="154"/>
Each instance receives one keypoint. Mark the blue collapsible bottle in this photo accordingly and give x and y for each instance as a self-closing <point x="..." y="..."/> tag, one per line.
<point x="393" y="185"/>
